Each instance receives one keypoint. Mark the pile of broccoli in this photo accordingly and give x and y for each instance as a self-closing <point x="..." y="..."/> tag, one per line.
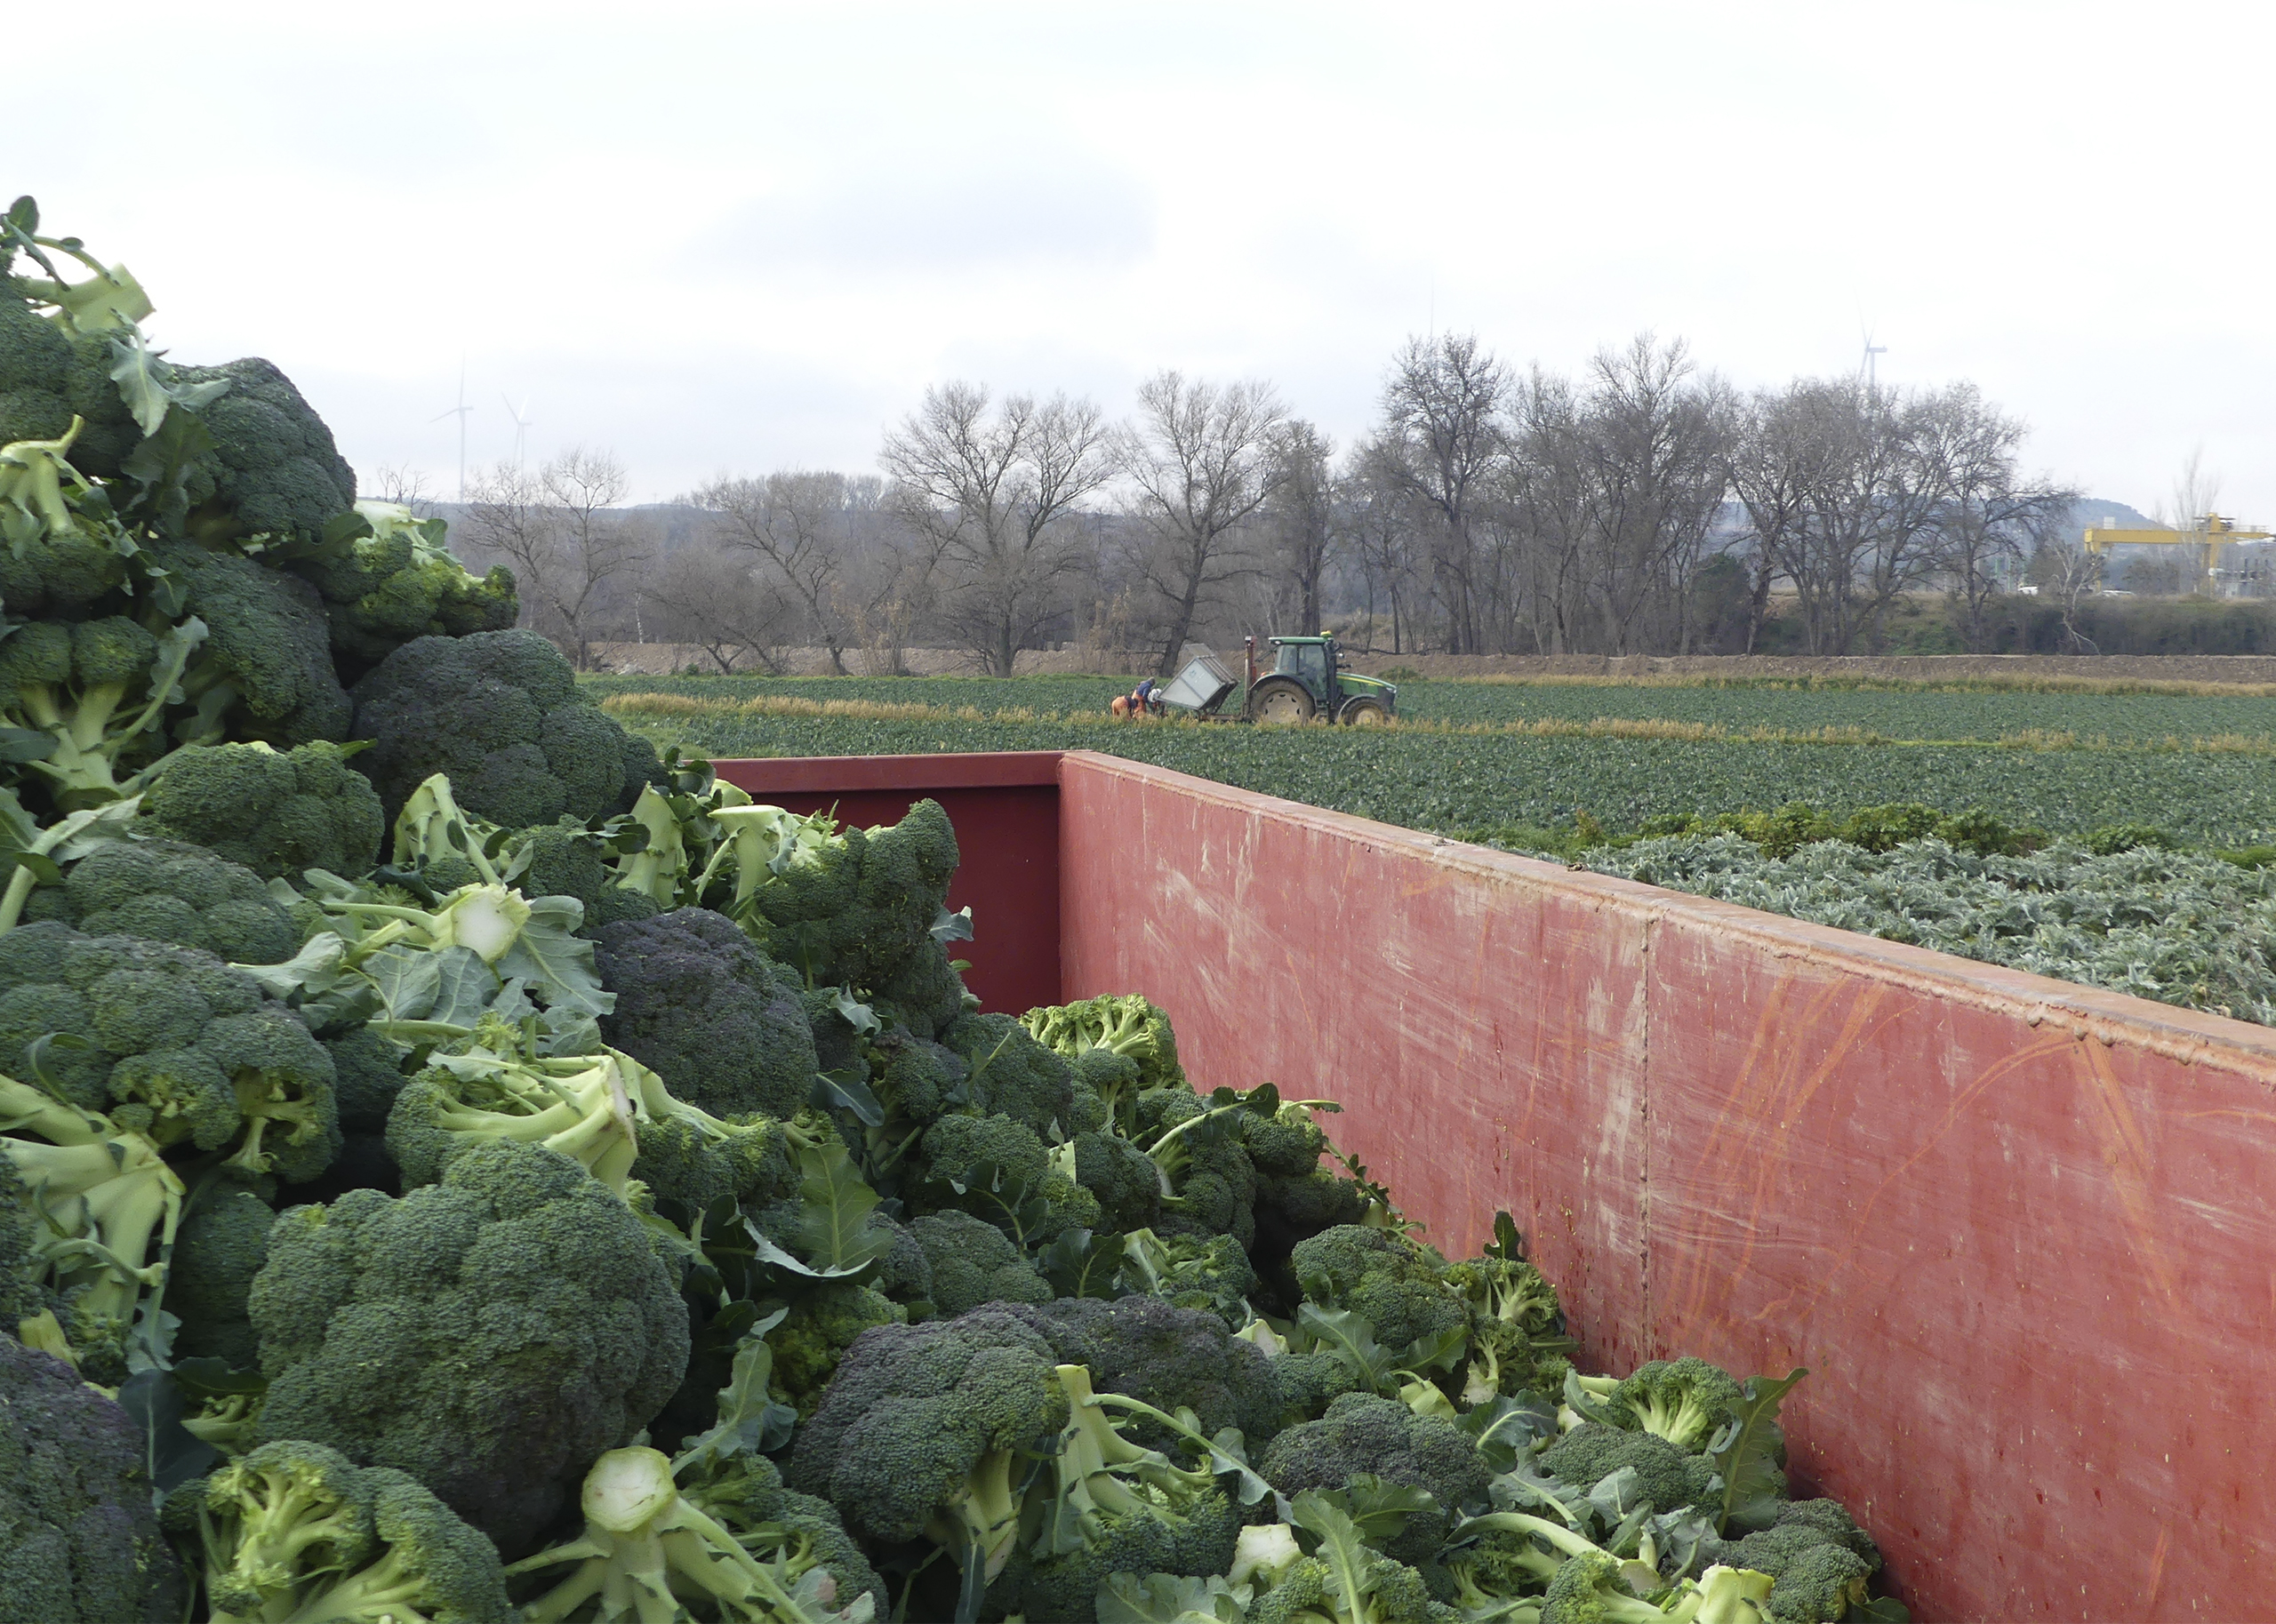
<point x="458" y="1166"/>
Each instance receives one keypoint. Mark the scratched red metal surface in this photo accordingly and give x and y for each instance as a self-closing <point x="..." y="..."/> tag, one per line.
<point x="2021" y="1231"/>
<point x="1005" y="808"/>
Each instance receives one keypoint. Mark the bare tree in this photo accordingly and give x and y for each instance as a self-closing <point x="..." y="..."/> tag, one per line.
<point x="1443" y="432"/>
<point x="799" y="525"/>
<point x="711" y="595"/>
<point x="1386" y="537"/>
<point x="1302" y="519"/>
<point x="1992" y="517"/>
<point x="399" y="482"/>
<point x="989" y="493"/>
<point x="563" y="530"/>
<point x="1200" y="463"/>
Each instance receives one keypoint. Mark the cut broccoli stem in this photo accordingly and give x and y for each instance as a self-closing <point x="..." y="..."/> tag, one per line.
<point x="103" y="1195"/>
<point x="982" y="1523"/>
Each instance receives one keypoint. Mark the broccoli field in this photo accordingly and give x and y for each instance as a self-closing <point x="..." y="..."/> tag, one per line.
<point x="460" y="1165"/>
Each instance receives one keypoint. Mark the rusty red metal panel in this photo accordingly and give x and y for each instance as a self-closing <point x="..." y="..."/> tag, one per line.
<point x="1005" y="812"/>
<point x="2021" y="1230"/>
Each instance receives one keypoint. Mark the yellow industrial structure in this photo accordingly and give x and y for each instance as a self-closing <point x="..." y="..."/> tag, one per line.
<point x="2210" y="533"/>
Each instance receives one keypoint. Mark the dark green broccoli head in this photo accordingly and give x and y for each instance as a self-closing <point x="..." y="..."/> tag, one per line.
<point x="1362" y="1433"/>
<point x="172" y="890"/>
<point x="1314" y="1588"/>
<point x="972" y="1263"/>
<point x="1303" y="1206"/>
<point x="1195" y="1536"/>
<point x="1172" y="1358"/>
<point x="563" y="860"/>
<point x="1107" y="1086"/>
<point x="276" y="811"/>
<point x="1591" y="1452"/>
<point x="264" y="671"/>
<point x="1121" y="1176"/>
<point x="491" y="1335"/>
<point x="367" y="1075"/>
<point x="293" y="1530"/>
<point x="1009" y="1074"/>
<point x="699" y="1003"/>
<point x="822" y="1325"/>
<point x="917" y="1081"/>
<point x="1820" y="1560"/>
<point x="48" y="376"/>
<point x="1212" y="1182"/>
<point x="219" y="1248"/>
<point x="921" y="1423"/>
<point x="858" y="909"/>
<point x="904" y="1273"/>
<point x="1310" y="1382"/>
<point x="1387" y="1280"/>
<point x="273" y="469"/>
<point x="1211" y="1274"/>
<point x="82" y="1543"/>
<point x="744" y="1494"/>
<point x="500" y="714"/>
<point x="925" y="996"/>
<point x="398" y="580"/>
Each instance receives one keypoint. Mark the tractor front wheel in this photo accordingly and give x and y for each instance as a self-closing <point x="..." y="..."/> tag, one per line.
<point x="1363" y="711"/>
<point x="1282" y="702"/>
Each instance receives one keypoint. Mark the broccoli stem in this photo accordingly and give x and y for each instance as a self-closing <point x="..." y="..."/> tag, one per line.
<point x="281" y="1515"/>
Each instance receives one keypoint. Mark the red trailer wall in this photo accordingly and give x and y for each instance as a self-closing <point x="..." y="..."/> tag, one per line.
<point x="2020" y="1231"/>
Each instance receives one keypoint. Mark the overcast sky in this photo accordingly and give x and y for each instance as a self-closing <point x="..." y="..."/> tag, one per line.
<point x="746" y="237"/>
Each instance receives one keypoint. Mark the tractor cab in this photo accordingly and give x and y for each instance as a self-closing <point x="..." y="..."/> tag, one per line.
<point x="1311" y="677"/>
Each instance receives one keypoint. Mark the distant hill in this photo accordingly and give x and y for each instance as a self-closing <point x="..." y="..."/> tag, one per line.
<point x="2099" y="512"/>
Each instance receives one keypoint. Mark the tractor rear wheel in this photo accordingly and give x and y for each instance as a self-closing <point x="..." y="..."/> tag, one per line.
<point x="1282" y="702"/>
<point x="1364" y="710"/>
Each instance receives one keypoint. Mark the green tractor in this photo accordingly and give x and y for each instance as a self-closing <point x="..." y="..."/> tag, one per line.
<point x="1311" y="678"/>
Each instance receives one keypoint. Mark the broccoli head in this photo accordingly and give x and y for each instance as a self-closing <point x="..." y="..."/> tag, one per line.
<point x="1670" y="1479"/>
<point x="1684" y="1401"/>
<point x="920" y="1429"/>
<point x="79" y="1540"/>
<point x="744" y="1494"/>
<point x="275" y="811"/>
<point x="820" y="1327"/>
<point x="1209" y="1274"/>
<point x="171" y="891"/>
<point x="367" y="1075"/>
<point x="1820" y="1560"/>
<point x="1197" y="1145"/>
<point x="1170" y="1357"/>
<point x="1121" y="1177"/>
<point x="264" y="671"/>
<point x="1123" y="1024"/>
<point x="563" y="860"/>
<point x="293" y="1529"/>
<point x="700" y="1004"/>
<point x="995" y="1168"/>
<point x="80" y="705"/>
<point x="500" y="713"/>
<point x="397" y="579"/>
<point x="972" y="1263"/>
<point x="1346" y="1580"/>
<point x="857" y="908"/>
<point x="1008" y="1074"/>
<point x="50" y="374"/>
<point x="491" y="1335"/>
<point x="1395" y="1285"/>
<point x="273" y="469"/>
<point x="220" y="1247"/>
<point x="1385" y="1439"/>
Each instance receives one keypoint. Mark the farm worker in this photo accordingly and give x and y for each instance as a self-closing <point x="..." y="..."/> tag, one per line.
<point x="1135" y="702"/>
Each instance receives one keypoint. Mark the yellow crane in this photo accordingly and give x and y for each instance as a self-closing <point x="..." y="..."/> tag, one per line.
<point x="2206" y="537"/>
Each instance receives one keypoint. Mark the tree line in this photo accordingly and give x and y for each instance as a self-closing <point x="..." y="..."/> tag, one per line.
<point x="1641" y="506"/>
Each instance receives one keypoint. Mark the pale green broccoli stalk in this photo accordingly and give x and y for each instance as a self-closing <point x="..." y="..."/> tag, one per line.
<point x="80" y="704"/>
<point x="1345" y="1580"/>
<point x="104" y="1208"/>
<point x="648" y="1552"/>
<point x="295" y="1533"/>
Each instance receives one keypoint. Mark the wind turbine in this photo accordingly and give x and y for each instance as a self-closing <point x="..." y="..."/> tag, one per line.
<point x="1866" y="366"/>
<point x="459" y="413"/>
<point x="521" y="424"/>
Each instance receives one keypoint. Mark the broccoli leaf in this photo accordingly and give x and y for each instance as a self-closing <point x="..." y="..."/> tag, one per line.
<point x="1379" y="1510"/>
<point x="555" y="959"/>
<point x="1168" y="1599"/>
<point x="751" y="1421"/>
<point x="1746" y="1450"/>
<point x="1080" y="1264"/>
<point x="1505" y="1429"/>
<point x="834" y="1229"/>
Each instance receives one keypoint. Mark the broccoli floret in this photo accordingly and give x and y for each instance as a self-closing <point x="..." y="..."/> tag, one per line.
<point x="367" y="1075"/>
<point x="264" y="671"/>
<point x="1382" y="1438"/>
<point x="918" y="1082"/>
<point x="171" y="891"/>
<point x="273" y="469"/>
<point x="1210" y="1275"/>
<point x="1287" y="1144"/>
<point x="1127" y="1025"/>
<point x="1820" y="1560"/>
<point x="1394" y="1285"/>
<point x="997" y="1168"/>
<point x="220" y="1248"/>
<point x="500" y="713"/>
<point x="276" y="811"/>
<point x="1297" y="1208"/>
<point x="1310" y="1382"/>
<point x="821" y="1326"/>
<point x="972" y="1263"/>
<point x="745" y="1495"/>
<point x="396" y="580"/>
<point x="1512" y="1307"/>
<point x="905" y="1274"/>
<point x="925" y="996"/>
<point x="1670" y="1479"/>
<point x="295" y="1531"/>
<point x="1107" y="1086"/>
<point x="50" y="374"/>
<point x="1123" y="1180"/>
<point x="1111" y="1505"/>
<point x="919" y="1430"/>
<point x="491" y="1335"/>
<point x="855" y="909"/>
<point x="1198" y="1145"/>
<point x="1008" y="1074"/>
<point x="1170" y="1357"/>
<point x="84" y="701"/>
<point x="563" y="860"/>
<point x="1681" y="1400"/>
<point x="1346" y="1580"/>
<point x="79" y="1540"/>
<point x="698" y="1001"/>
<point x="1589" y="1589"/>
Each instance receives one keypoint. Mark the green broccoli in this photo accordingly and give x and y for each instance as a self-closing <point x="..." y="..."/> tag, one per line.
<point x="491" y="1335"/>
<point x="1666" y="1477"/>
<point x="1178" y="1360"/>
<point x="648" y="1551"/>
<point x="264" y="671"/>
<point x="276" y="811"/>
<point x="388" y="576"/>
<point x="995" y="1168"/>
<point x="820" y="1327"/>
<point x="1122" y="1178"/>
<point x="1684" y="1401"/>
<point x="294" y="1531"/>
<point x="1821" y="1560"/>
<point x="79" y="1540"/>
<point x="971" y="1261"/>
<point x="80" y="705"/>
<point x="564" y="860"/>
<point x="52" y="373"/>
<point x="697" y="1001"/>
<point x="64" y="547"/>
<point x="1212" y="1275"/>
<point x="171" y="891"/>
<point x="273" y="471"/>
<point x="1512" y="1309"/>
<point x="1385" y="1439"/>
<point x="745" y="1495"/>
<point x="1125" y="1025"/>
<point x="500" y="713"/>
<point x="921" y="1429"/>
<point x="218" y="1250"/>
<point x="1345" y="1580"/>
<point x="1397" y="1287"/>
<point x="855" y="909"/>
<point x="1590" y="1589"/>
